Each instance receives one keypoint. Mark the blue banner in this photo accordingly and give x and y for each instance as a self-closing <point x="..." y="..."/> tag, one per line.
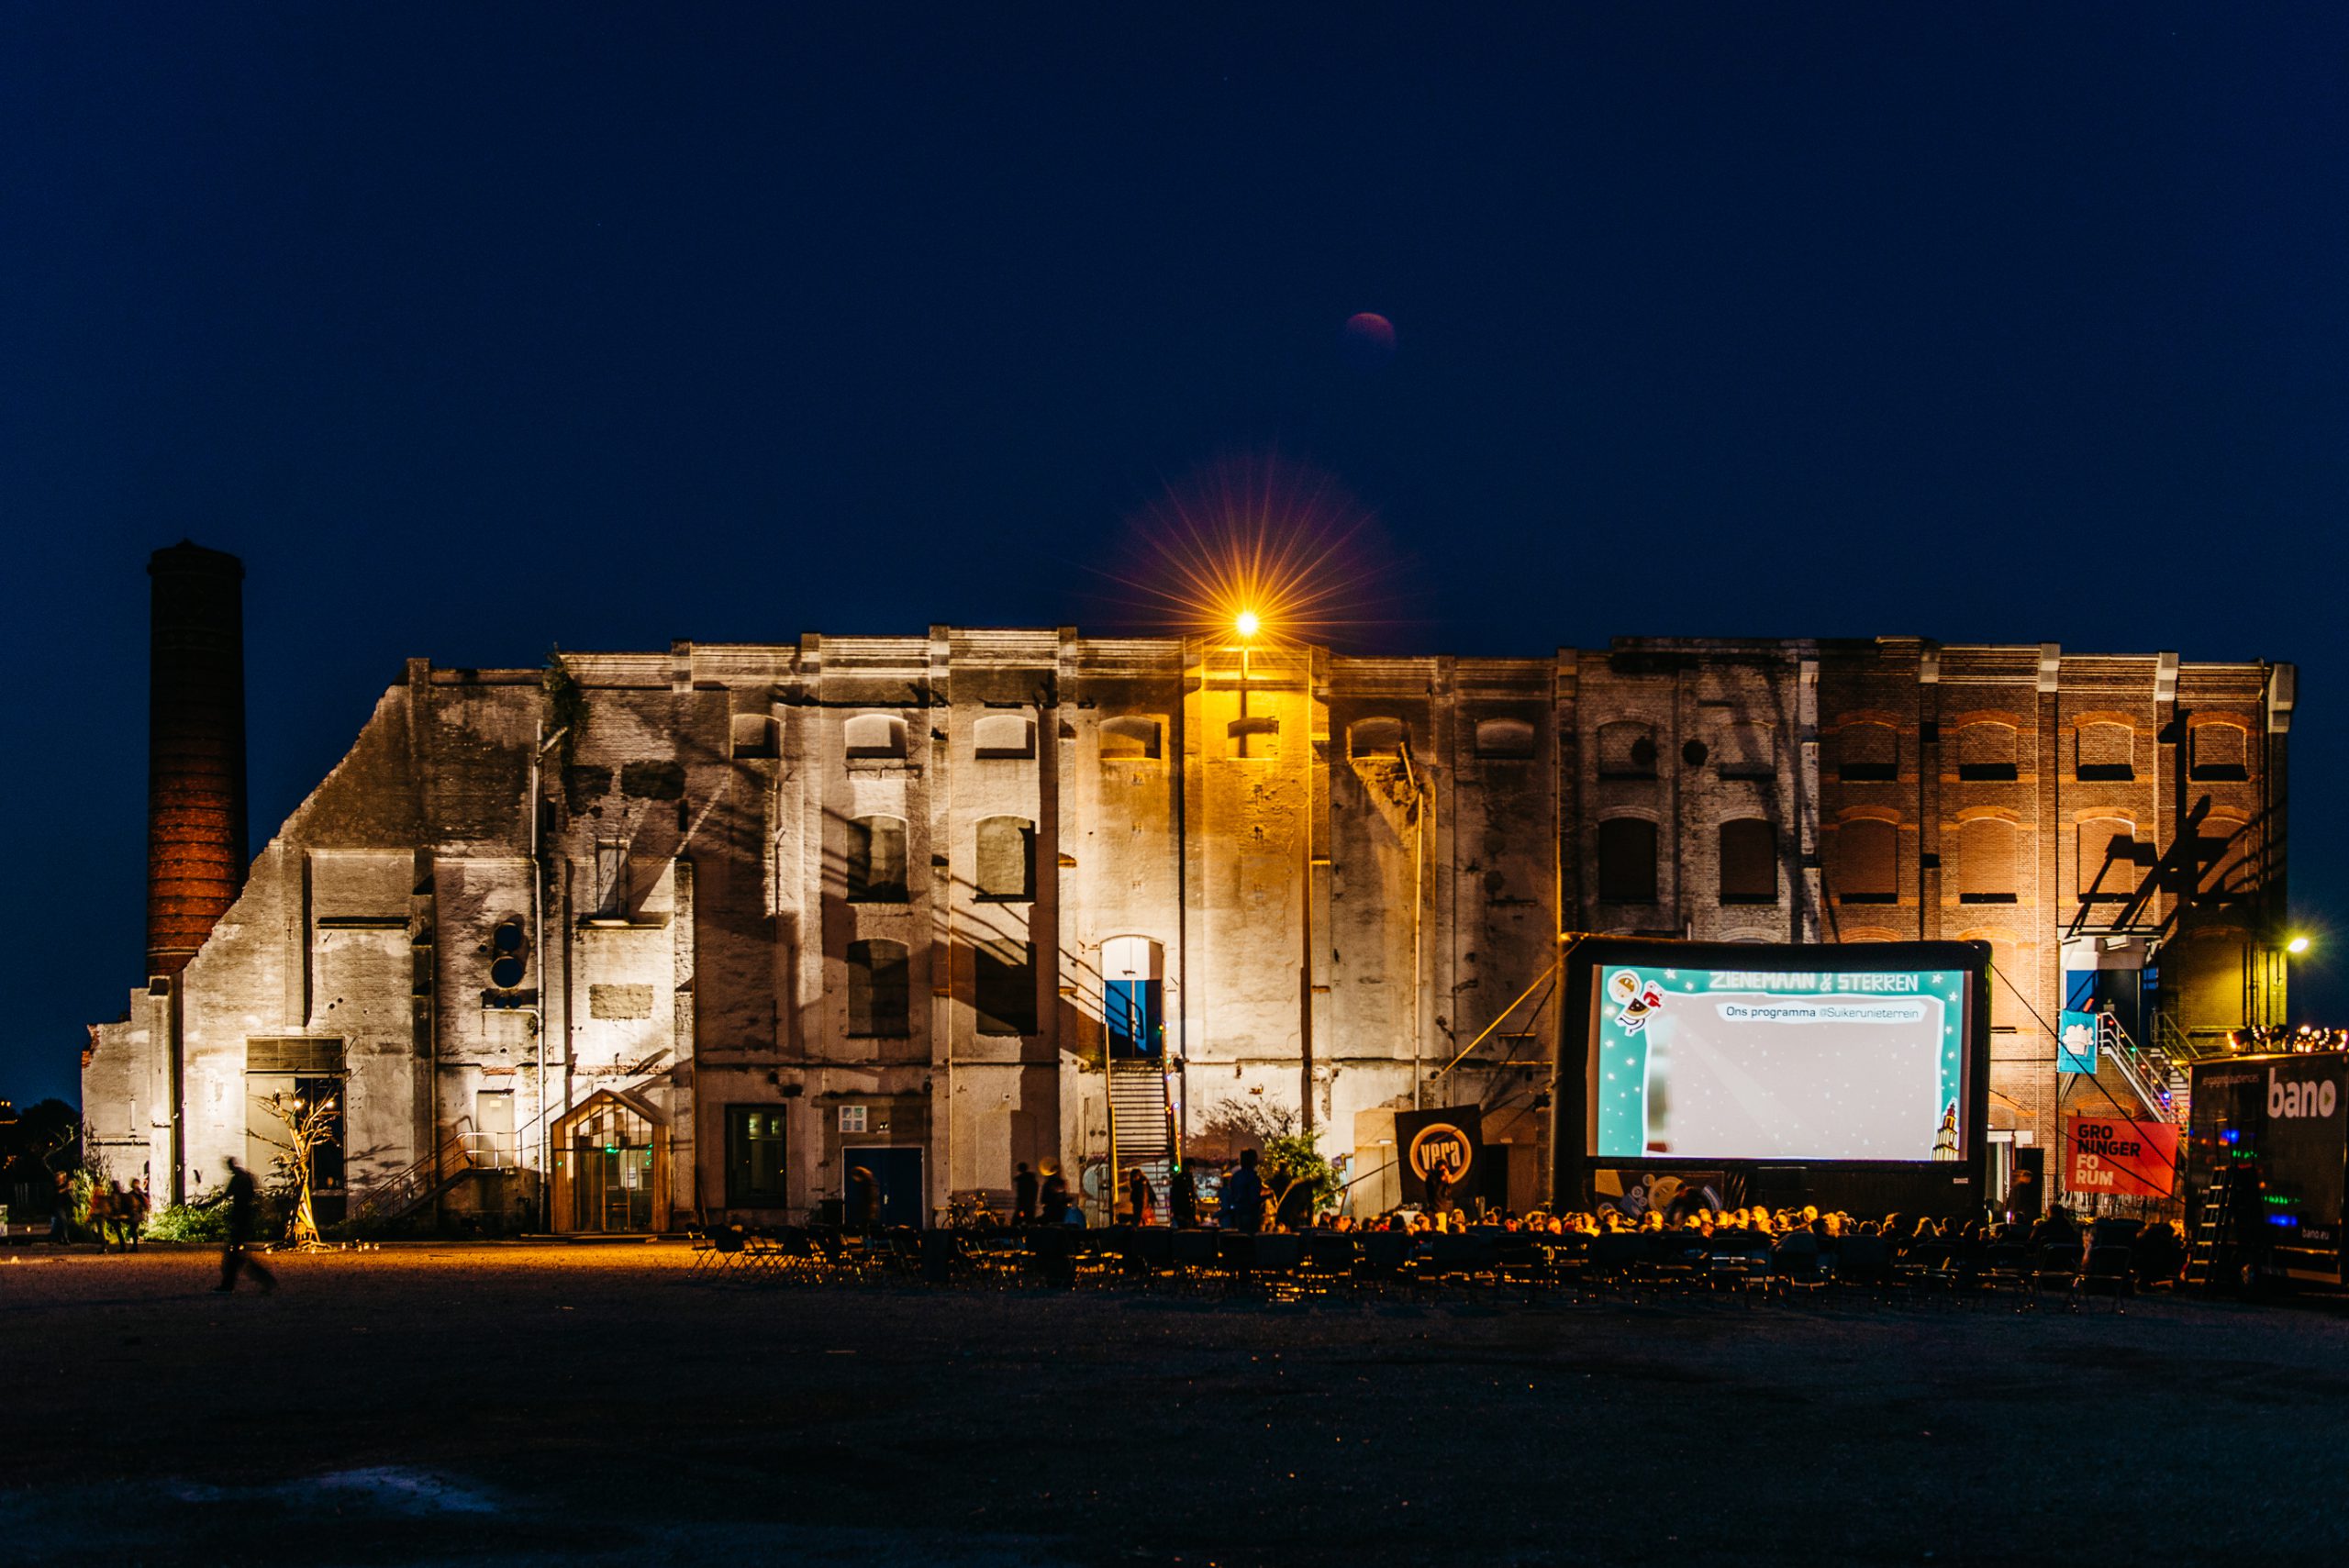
<point x="2076" y="1043"/>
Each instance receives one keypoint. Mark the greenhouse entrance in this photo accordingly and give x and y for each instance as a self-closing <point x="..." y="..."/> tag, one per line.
<point x="611" y="1169"/>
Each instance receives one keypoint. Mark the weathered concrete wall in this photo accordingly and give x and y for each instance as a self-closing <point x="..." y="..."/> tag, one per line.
<point x="680" y="861"/>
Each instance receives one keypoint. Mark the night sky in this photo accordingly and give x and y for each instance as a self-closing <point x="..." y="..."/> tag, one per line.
<point x="476" y="330"/>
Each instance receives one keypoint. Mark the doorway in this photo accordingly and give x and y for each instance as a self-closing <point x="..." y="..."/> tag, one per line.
<point x="896" y="1173"/>
<point x="610" y="1170"/>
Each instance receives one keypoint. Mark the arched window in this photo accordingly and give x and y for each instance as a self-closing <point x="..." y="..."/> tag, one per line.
<point x="1749" y="861"/>
<point x="1986" y="752"/>
<point x="878" y="994"/>
<point x="1129" y="737"/>
<point x="1504" y="737"/>
<point x="2104" y="751"/>
<point x="1004" y="735"/>
<point x="1627" y="860"/>
<point x="2107" y="868"/>
<point x="1004" y="992"/>
<point x="1866" y="864"/>
<point x="755" y="735"/>
<point x="1747" y="751"/>
<point x="876" y="860"/>
<point x="1006" y="858"/>
<point x="1626" y="750"/>
<point x="1375" y="738"/>
<point x="2220" y="751"/>
<point x="1984" y="862"/>
<point x="874" y="737"/>
<point x="1867" y="752"/>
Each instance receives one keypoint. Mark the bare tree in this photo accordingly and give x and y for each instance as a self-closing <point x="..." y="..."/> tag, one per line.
<point x="310" y="1126"/>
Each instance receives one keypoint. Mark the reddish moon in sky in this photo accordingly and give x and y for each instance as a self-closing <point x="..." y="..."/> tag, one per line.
<point x="1367" y="341"/>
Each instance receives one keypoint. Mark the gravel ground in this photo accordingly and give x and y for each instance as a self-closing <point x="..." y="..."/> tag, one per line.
<point x="497" y="1405"/>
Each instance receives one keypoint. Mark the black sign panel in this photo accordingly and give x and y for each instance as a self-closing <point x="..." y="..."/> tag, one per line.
<point x="1444" y="1141"/>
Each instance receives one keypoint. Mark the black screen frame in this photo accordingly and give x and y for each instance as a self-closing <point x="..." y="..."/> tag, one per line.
<point x="1941" y="1185"/>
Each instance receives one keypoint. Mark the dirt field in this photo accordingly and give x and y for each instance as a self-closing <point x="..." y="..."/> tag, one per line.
<point x="511" y="1405"/>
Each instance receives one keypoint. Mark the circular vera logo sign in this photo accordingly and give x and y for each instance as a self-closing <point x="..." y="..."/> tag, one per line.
<point x="1440" y="1144"/>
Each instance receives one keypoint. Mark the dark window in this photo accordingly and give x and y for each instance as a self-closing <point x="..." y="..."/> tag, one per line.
<point x="1129" y="739"/>
<point x="1004" y="735"/>
<point x="874" y="737"/>
<point x="1749" y="861"/>
<point x="1867" y="862"/>
<point x="1626" y="750"/>
<point x="754" y="1163"/>
<point x="1867" y="752"/>
<point x="876" y="861"/>
<point x="1375" y="738"/>
<point x="1986" y="862"/>
<point x="1504" y="737"/>
<point x="1006" y="859"/>
<point x="1627" y="860"/>
<point x="2220" y="751"/>
<point x="878" y="994"/>
<point x="2105" y="751"/>
<point x="755" y="735"/>
<point x="1986" y="753"/>
<point x="1006" y="989"/>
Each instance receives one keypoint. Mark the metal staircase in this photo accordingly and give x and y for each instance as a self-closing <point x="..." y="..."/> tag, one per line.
<point x="2153" y="1074"/>
<point x="460" y="1156"/>
<point x="1142" y="1123"/>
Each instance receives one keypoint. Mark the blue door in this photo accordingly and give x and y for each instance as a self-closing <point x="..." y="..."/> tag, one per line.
<point x="897" y="1173"/>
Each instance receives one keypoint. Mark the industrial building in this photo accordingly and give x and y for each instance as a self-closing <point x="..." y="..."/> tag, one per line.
<point x="638" y="937"/>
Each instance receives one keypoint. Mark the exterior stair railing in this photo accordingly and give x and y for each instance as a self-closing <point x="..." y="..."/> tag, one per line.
<point x="404" y="1191"/>
<point x="2151" y="1072"/>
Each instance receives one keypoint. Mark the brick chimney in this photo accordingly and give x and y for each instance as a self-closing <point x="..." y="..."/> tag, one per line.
<point x="195" y="750"/>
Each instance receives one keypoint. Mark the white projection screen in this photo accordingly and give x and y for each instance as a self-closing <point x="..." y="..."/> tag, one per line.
<point x="1780" y="1061"/>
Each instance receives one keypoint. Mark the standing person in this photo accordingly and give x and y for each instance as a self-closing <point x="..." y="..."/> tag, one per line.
<point x="1052" y="1204"/>
<point x="1438" y="1184"/>
<point x="119" y="1218"/>
<point x="140" y="1208"/>
<point x="1137" y="1193"/>
<point x="1183" y="1200"/>
<point x="1023" y="1195"/>
<point x="61" y="1210"/>
<point x="1243" y="1195"/>
<point x="244" y="1203"/>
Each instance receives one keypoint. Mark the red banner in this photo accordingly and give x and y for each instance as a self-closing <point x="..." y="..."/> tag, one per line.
<point x="2115" y="1155"/>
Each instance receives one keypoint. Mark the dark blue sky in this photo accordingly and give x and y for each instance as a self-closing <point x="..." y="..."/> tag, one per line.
<point x="475" y="330"/>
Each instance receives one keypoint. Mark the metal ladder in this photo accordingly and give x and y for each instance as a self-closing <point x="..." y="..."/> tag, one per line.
<point x="2214" y="1238"/>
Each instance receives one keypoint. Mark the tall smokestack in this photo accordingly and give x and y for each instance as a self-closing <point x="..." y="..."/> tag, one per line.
<point x="195" y="750"/>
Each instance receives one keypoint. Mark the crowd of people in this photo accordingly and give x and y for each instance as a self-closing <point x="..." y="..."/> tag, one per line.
<point x="1247" y="1202"/>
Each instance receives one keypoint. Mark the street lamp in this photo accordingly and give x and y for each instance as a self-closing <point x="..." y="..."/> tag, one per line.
<point x="2297" y="946"/>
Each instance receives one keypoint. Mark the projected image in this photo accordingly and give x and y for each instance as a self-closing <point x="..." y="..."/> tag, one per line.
<point x="1722" y="1064"/>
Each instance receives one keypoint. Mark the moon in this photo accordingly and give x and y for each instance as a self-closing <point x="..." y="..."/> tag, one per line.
<point x="1367" y="341"/>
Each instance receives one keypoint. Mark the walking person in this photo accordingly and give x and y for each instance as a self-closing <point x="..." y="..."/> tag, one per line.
<point x="140" y="1207"/>
<point x="61" y="1210"/>
<point x="863" y="1198"/>
<point x="102" y="1217"/>
<point x="1023" y="1195"/>
<point x="1137" y="1193"/>
<point x="244" y="1204"/>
